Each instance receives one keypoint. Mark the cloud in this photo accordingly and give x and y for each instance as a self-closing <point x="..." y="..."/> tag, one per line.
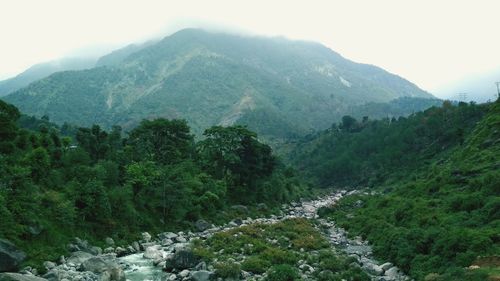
<point x="427" y="42"/>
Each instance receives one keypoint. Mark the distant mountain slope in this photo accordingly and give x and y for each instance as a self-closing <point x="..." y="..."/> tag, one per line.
<point x="215" y="78"/>
<point x="479" y="88"/>
<point x="43" y="70"/>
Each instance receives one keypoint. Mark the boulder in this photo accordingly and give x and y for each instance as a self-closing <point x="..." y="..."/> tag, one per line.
<point x="182" y="259"/>
<point x="167" y="242"/>
<point x="202" y="225"/>
<point x="386" y="266"/>
<point x="19" y="277"/>
<point x="110" y="242"/>
<point x="201" y="275"/>
<point x="78" y="257"/>
<point x="94" y="250"/>
<point x="49" y="265"/>
<point x="373" y="269"/>
<point x="392" y="272"/>
<point x="262" y="206"/>
<point x="108" y="269"/>
<point x="153" y="253"/>
<point x="120" y="252"/>
<point x="167" y="235"/>
<point x="136" y="246"/>
<point x="10" y="256"/>
<point x="146" y="236"/>
<point x="184" y="273"/>
<point x="242" y="209"/>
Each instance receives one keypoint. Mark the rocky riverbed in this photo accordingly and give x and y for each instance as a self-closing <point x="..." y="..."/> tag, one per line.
<point x="168" y="255"/>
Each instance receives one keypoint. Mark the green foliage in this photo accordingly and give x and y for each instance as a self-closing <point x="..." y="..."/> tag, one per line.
<point x="283" y="272"/>
<point x="163" y="141"/>
<point x="371" y="152"/>
<point x="228" y="270"/>
<point x="437" y="220"/>
<point x="52" y="188"/>
<point x="268" y="247"/>
<point x="235" y="154"/>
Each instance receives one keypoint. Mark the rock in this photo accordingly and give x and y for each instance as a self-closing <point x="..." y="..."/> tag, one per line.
<point x="242" y="209"/>
<point x="109" y="241"/>
<point x="386" y="266"/>
<point x="182" y="259"/>
<point x="78" y="257"/>
<point x="136" y="246"/>
<point x="201" y="275"/>
<point x="262" y="207"/>
<point x="95" y="250"/>
<point x="146" y="236"/>
<point x="167" y="242"/>
<point x="131" y="249"/>
<point x="49" y="265"/>
<point x="19" y="277"/>
<point x="120" y="252"/>
<point x="359" y="250"/>
<point x="202" y="225"/>
<point x="172" y="277"/>
<point x="373" y="269"/>
<point x="109" y="250"/>
<point x="153" y="253"/>
<point x="106" y="268"/>
<point x="201" y="266"/>
<point x="10" y="256"/>
<point x="392" y="272"/>
<point x="181" y="239"/>
<point x="184" y="273"/>
<point x="167" y="235"/>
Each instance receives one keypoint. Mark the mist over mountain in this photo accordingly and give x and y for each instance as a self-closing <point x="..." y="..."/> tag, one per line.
<point x="278" y="87"/>
<point x="42" y="70"/>
<point x="478" y="88"/>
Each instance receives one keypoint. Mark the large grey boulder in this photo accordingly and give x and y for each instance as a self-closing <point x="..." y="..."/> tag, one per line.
<point x="10" y="256"/>
<point x="373" y="269"/>
<point x="108" y="269"/>
<point x="79" y="257"/>
<point x="153" y="252"/>
<point x="182" y="259"/>
<point x="202" y="225"/>
<point x="19" y="277"/>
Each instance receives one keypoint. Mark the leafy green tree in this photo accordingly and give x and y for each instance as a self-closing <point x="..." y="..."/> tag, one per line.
<point x="94" y="141"/>
<point x="236" y="153"/>
<point x="163" y="141"/>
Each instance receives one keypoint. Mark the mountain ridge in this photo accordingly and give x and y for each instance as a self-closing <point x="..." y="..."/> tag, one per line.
<point x="205" y="76"/>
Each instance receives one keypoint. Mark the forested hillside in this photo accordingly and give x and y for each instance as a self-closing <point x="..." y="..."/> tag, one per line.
<point x="280" y="88"/>
<point x="102" y="184"/>
<point x="364" y="152"/>
<point x="436" y="180"/>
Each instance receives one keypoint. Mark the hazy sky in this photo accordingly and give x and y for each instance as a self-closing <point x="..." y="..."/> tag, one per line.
<point x="431" y="43"/>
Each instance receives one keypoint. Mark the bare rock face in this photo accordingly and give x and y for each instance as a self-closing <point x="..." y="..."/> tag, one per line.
<point x="10" y="256"/>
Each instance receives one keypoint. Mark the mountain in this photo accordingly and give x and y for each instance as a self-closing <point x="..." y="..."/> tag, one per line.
<point x="42" y="70"/>
<point x="478" y="88"/>
<point x="278" y="87"/>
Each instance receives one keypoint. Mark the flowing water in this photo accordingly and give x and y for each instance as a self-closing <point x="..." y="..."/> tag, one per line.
<point x="138" y="268"/>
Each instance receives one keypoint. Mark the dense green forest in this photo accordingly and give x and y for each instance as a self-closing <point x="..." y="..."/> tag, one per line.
<point x="99" y="183"/>
<point x="368" y="152"/>
<point x="434" y="181"/>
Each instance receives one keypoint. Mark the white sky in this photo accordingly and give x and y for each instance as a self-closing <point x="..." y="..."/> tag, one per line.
<point x="429" y="42"/>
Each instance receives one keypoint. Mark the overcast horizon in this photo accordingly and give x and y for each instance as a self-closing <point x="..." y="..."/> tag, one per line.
<point x="431" y="44"/>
